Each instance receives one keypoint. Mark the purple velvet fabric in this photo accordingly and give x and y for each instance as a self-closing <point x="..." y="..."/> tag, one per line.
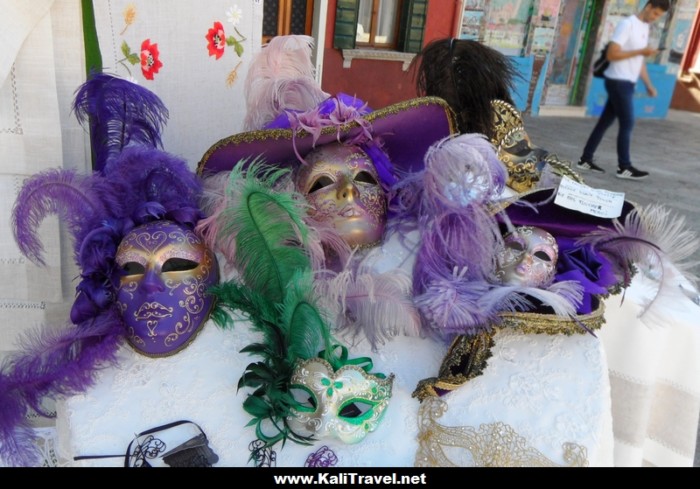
<point x="586" y="266"/>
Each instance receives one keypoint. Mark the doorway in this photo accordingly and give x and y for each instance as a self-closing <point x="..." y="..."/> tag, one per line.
<point x="573" y="51"/>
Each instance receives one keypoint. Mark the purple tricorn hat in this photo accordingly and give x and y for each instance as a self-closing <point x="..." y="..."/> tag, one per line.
<point x="404" y="131"/>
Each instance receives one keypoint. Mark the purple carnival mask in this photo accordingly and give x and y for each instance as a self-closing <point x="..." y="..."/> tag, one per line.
<point x="162" y="295"/>
<point x="528" y="258"/>
<point x="342" y="185"/>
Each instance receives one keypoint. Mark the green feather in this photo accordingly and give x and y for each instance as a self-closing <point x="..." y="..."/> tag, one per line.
<point x="275" y="294"/>
<point x="270" y="232"/>
<point x="306" y="330"/>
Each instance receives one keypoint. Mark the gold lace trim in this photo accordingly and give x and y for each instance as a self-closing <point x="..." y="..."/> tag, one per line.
<point x="492" y="445"/>
<point x="468" y="355"/>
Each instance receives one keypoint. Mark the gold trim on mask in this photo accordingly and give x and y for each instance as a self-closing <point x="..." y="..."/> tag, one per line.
<point x="492" y="445"/>
<point x="522" y="173"/>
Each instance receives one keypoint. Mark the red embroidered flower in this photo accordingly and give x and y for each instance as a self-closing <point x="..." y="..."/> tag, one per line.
<point x="217" y="40"/>
<point x="150" y="62"/>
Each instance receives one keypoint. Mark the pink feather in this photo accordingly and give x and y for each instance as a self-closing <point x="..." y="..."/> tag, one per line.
<point x="281" y="77"/>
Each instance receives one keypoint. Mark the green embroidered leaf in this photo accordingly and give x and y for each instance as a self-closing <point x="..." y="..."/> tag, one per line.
<point x="126" y="50"/>
<point x="238" y="47"/>
<point x="133" y="59"/>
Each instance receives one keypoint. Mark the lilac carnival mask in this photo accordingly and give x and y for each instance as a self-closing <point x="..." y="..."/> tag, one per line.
<point x="342" y="185"/>
<point x="162" y="295"/>
<point x="528" y="258"/>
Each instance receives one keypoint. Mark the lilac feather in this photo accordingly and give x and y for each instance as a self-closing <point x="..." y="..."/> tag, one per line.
<point x="281" y="77"/>
<point x="462" y="171"/>
<point x="370" y="305"/>
<point x="51" y="362"/>
<point x="327" y="248"/>
<point x="650" y="237"/>
<point x="452" y="305"/>
<point x="119" y="114"/>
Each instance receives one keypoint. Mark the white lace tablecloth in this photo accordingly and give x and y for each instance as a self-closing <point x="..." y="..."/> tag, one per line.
<point x="549" y="389"/>
<point x="545" y="391"/>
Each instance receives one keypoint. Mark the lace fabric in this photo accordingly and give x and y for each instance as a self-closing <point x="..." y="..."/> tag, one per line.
<point x="549" y="389"/>
<point x="492" y="445"/>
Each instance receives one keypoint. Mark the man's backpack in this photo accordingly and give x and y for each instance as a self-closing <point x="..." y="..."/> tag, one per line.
<point x="601" y="64"/>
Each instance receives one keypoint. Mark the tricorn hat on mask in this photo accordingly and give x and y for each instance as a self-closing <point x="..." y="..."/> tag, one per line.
<point x="289" y="116"/>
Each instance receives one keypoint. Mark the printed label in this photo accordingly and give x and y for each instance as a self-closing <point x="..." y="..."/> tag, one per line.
<point x="589" y="200"/>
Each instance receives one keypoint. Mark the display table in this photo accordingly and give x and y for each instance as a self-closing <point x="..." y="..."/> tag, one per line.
<point x="543" y="391"/>
<point x="550" y="390"/>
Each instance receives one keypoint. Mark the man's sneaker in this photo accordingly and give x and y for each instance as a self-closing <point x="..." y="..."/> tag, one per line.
<point x="631" y="173"/>
<point x="589" y="165"/>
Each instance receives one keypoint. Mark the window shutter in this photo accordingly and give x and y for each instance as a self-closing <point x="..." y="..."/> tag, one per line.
<point x="412" y="25"/>
<point x="346" y="24"/>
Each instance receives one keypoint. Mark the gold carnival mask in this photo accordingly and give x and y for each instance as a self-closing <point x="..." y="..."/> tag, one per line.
<point x="347" y="403"/>
<point x="528" y="258"/>
<point x="342" y="185"/>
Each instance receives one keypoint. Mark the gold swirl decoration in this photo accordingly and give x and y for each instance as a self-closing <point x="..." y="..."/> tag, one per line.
<point x="510" y="139"/>
<point x="491" y="445"/>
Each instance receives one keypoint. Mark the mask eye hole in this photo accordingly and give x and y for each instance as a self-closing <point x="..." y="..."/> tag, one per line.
<point x="515" y="245"/>
<point x="321" y="182"/>
<point x="542" y="256"/>
<point x="306" y="399"/>
<point x="133" y="268"/>
<point x="178" y="265"/>
<point x="365" y="177"/>
<point x="356" y="410"/>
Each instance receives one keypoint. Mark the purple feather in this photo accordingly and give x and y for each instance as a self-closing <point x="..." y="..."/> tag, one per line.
<point x="53" y="191"/>
<point x="120" y="114"/>
<point x="52" y="362"/>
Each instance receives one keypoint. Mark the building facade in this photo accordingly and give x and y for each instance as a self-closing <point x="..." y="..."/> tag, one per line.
<point x="365" y="47"/>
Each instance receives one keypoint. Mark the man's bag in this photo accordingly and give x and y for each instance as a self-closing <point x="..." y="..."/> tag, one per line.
<point x="601" y="64"/>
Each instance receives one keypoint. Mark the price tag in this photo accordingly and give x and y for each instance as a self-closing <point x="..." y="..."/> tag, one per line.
<point x="589" y="200"/>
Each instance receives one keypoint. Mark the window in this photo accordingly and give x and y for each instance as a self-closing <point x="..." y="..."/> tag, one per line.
<point x="377" y="23"/>
<point x="284" y="17"/>
<point x="381" y="24"/>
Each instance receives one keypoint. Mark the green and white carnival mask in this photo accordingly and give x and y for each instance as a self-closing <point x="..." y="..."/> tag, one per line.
<point x="347" y="403"/>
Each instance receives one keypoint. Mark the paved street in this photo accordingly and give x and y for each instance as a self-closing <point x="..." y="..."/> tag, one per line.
<point x="669" y="149"/>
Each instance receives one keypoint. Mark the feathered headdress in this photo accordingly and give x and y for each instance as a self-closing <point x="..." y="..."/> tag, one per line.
<point x="468" y="75"/>
<point x="453" y="279"/>
<point x="395" y="138"/>
<point x="136" y="183"/>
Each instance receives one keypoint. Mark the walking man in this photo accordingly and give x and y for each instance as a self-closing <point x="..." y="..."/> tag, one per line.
<point x="628" y="47"/>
